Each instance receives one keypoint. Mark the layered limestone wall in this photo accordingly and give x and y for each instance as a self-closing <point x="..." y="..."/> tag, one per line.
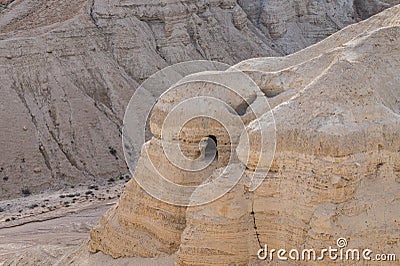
<point x="335" y="174"/>
<point x="68" y="69"/>
<point x="305" y="202"/>
<point x="147" y="218"/>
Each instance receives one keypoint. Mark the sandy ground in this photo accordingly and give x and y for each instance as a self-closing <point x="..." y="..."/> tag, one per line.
<point x="53" y="229"/>
<point x="67" y="230"/>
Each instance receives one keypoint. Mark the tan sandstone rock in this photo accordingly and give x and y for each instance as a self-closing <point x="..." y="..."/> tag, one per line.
<point x="335" y="172"/>
<point x="68" y="69"/>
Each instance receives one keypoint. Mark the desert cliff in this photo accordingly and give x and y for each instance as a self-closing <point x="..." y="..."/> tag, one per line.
<point x="69" y="68"/>
<point x="335" y="172"/>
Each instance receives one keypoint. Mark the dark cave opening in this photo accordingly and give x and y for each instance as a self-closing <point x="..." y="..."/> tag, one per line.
<point x="212" y="147"/>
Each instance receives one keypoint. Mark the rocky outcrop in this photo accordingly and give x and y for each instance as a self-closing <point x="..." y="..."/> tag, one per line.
<point x="158" y="220"/>
<point x="68" y="69"/>
<point x="335" y="172"/>
<point x="294" y="25"/>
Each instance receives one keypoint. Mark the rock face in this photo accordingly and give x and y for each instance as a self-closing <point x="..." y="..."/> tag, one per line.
<point x="335" y="173"/>
<point x="159" y="225"/>
<point x="68" y="69"/>
<point x="4" y="4"/>
<point x="294" y="25"/>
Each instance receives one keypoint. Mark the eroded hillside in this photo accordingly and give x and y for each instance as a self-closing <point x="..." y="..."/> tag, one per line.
<point x="335" y="173"/>
<point x="68" y="69"/>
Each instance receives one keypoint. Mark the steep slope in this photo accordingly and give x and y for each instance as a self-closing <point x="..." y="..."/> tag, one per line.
<point x="335" y="173"/>
<point x="68" y="69"/>
<point x="294" y="25"/>
<point x="63" y="97"/>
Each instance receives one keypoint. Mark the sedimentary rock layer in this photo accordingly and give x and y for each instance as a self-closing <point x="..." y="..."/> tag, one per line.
<point x="68" y="69"/>
<point x="336" y="171"/>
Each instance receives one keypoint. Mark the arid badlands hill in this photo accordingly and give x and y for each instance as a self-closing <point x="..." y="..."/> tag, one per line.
<point x="336" y="171"/>
<point x="68" y="69"/>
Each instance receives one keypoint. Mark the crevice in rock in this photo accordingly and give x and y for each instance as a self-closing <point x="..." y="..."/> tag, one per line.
<point x="110" y="48"/>
<point x="91" y="14"/>
<point x="67" y="155"/>
<point x="254" y="221"/>
<point x="337" y="27"/>
<point x="194" y="36"/>
<point x="42" y="150"/>
<point x="156" y="48"/>
<point x="5" y="4"/>
<point x="20" y="94"/>
<point x="110" y="115"/>
<point x="46" y="158"/>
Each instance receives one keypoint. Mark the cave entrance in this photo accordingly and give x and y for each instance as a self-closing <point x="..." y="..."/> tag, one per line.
<point x="212" y="147"/>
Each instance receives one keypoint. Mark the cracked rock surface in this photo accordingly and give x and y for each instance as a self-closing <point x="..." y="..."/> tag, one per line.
<point x="336" y="170"/>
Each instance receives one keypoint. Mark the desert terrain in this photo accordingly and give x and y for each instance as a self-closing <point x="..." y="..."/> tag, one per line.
<point x="329" y="72"/>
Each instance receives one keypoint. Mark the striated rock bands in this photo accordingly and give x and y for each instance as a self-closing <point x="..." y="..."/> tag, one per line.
<point x="335" y="173"/>
<point x="68" y="69"/>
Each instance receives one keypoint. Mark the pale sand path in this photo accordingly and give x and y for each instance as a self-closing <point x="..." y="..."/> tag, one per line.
<point x="60" y="240"/>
